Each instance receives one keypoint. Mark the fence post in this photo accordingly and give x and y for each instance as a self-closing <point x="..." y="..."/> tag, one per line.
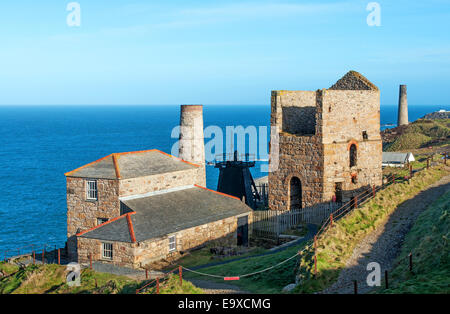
<point x="180" y="273"/>
<point x="315" y="265"/>
<point x="146" y="273"/>
<point x="34" y="258"/>
<point x="386" y="279"/>
<point x="331" y="220"/>
<point x="410" y="171"/>
<point x="157" y="285"/>
<point x="59" y="256"/>
<point x="356" y="201"/>
<point x="43" y="256"/>
<point x="373" y="191"/>
<point x="410" y="262"/>
<point x="355" y="286"/>
<point x="90" y="261"/>
<point x="428" y="162"/>
<point x="394" y="178"/>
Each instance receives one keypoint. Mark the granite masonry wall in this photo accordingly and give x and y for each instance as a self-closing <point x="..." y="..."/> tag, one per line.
<point x="160" y="182"/>
<point x="82" y="214"/>
<point x="320" y="159"/>
<point x="137" y="255"/>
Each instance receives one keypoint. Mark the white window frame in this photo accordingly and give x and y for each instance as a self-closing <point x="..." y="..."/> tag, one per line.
<point x="107" y="251"/>
<point x="172" y="243"/>
<point x="91" y="190"/>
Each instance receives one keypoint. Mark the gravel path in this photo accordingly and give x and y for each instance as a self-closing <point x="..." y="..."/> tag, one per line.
<point x="383" y="244"/>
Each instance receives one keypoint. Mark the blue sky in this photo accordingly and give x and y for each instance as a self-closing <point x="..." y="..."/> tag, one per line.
<point x="218" y="52"/>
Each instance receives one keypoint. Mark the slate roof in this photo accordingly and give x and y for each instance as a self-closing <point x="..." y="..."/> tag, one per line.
<point x="131" y="165"/>
<point x="353" y="81"/>
<point x="395" y="158"/>
<point x="164" y="213"/>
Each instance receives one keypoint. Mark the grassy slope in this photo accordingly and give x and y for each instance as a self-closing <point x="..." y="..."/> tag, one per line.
<point x="420" y="133"/>
<point x="337" y="244"/>
<point x="428" y="242"/>
<point x="42" y="279"/>
<point x="268" y="282"/>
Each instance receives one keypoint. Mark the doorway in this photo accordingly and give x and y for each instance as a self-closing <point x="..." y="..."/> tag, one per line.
<point x="242" y="231"/>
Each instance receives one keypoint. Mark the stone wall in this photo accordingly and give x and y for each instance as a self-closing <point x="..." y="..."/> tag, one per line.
<point x="294" y="111"/>
<point x="136" y="255"/>
<point x="301" y="157"/>
<point x="342" y="118"/>
<point x="82" y="214"/>
<point x="160" y="182"/>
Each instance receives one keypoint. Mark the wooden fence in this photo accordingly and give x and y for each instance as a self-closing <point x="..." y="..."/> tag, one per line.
<point x="271" y="223"/>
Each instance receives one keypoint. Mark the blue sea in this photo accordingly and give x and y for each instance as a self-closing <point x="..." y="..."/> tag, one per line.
<point x="38" y="144"/>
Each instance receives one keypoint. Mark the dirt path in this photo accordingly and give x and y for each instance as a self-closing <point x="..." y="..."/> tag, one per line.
<point x="383" y="244"/>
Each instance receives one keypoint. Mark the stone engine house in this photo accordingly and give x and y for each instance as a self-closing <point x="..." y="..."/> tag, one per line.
<point x="329" y="143"/>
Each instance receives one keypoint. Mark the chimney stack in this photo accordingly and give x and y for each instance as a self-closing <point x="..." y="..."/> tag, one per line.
<point x="191" y="142"/>
<point x="402" y="107"/>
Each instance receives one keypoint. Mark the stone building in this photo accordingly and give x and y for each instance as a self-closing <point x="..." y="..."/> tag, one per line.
<point x="329" y="143"/>
<point x="134" y="208"/>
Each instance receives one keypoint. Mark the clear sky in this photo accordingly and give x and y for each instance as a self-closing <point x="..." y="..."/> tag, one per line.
<point x="218" y="51"/>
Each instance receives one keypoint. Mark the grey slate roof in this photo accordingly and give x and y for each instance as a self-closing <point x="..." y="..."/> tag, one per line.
<point x="395" y="158"/>
<point x="166" y="213"/>
<point x="131" y="165"/>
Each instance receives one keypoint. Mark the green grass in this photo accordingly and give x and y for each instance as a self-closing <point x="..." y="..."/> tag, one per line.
<point x="336" y="245"/>
<point x="172" y="286"/>
<point x="428" y="242"/>
<point x="271" y="281"/>
<point x="420" y="133"/>
<point x="204" y="256"/>
<point x="51" y="279"/>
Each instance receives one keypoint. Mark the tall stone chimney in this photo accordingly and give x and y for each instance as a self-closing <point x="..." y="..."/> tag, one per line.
<point x="191" y="143"/>
<point x="402" y="107"/>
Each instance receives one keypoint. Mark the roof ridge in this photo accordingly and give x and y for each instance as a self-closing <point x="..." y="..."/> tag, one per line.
<point x="130" y="228"/>
<point x="116" y="164"/>
<point x="105" y="223"/>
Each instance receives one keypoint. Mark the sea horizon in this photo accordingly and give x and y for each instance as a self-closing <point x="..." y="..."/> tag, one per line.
<point x="39" y="143"/>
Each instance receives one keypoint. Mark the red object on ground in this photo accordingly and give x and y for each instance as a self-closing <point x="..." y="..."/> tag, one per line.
<point x="231" y="278"/>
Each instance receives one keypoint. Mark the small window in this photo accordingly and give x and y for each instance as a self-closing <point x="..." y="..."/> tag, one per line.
<point x="107" y="251"/>
<point x="172" y="243"/>
<point x="353" y="155"/>
<point x="354" y="179"/>
<point x="101" y="221"/>
<point x="91" y="190"/>
<point x="365" y="136"/>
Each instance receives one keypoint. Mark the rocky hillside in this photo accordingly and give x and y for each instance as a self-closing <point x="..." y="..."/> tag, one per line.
<point x="437" y="115"/>
<point x="419" y="134"/>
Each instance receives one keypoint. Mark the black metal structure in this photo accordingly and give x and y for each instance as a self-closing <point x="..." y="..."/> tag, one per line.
<point x="236" y="179"/>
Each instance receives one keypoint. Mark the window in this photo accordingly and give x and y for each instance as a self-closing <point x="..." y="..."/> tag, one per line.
<point x="91" y="190"/>
<point x="353" y="155"/>
<point x="365" y="136"/>
<point x="354" y="179"/>
<point x="172" y="243"/>
<point x="107" y="251"/>
<point x="101" y="221"/>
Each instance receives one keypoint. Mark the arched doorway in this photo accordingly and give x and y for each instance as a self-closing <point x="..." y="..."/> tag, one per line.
<point x="295" y="193"/>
